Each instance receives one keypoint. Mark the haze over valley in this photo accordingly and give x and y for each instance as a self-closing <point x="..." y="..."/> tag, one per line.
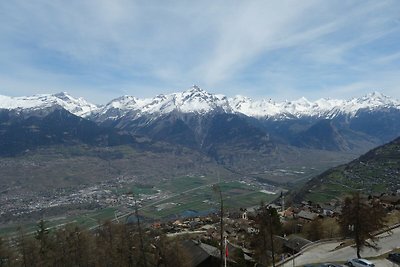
<point x="192" y="134"/>
<point x="61" y="153"/>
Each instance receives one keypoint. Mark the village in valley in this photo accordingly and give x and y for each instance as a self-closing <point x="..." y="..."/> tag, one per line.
<point x="303" y="224"/>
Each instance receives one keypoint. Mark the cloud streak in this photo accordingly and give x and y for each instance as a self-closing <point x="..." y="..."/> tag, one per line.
<point x="109" y="47"/>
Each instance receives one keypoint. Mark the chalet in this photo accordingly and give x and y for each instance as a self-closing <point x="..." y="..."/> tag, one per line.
<point x="201" y="254"/>
<point x="307" y="216"/>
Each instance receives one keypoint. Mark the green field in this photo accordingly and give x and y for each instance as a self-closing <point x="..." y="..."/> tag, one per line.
<point x="204" y="198"/>
<point x="182" y="195"/>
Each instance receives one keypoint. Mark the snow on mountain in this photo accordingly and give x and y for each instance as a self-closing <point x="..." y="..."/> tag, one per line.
<point x="257" y="108"/>
<point x="324" y="108"/>
<point x="196" y="100"/>
<point x="287" y="109"/>
<point x="193" y="100"/>
<point x="370" y="101"/>
<point x="77" y="106"/>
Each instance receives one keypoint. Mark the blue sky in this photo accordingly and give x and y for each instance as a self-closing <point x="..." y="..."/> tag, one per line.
<point x="101" y="49"/>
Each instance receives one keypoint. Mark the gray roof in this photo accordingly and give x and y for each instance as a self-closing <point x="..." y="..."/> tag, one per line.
<point x="199" y="251"/>
<point x="307" y="215"/>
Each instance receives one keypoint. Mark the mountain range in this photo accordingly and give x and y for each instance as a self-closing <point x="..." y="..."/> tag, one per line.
<point x="196" y="100"/>
<point x="238" y="132"/>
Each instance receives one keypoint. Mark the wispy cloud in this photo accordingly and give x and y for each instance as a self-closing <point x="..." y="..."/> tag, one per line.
<point x="262" y="47"/>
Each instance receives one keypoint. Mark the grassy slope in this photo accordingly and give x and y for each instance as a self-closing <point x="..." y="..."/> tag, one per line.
<point x="377" y="171"/>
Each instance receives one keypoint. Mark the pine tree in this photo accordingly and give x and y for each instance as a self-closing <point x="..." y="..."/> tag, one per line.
<point x="45" y="244"/>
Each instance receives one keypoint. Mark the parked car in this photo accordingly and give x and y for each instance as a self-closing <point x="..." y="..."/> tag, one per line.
<point x="395" y="257"/>
<point x="360" y="263"/>
<point x="329" y="265"/>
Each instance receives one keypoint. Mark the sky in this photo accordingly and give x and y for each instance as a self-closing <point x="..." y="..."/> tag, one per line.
<point x="102" y="49"/>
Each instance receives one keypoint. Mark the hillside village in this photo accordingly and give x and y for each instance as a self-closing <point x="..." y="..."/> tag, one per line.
<point x="200" y="232"/>
<point x="197" y="238"/>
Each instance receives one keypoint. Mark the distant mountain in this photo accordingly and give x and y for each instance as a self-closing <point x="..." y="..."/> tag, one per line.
<point x="377" y="171"/>
<point x="30" y="104"/>
<point x="19" y="132"/>
<point x="229" y="128"/>
<point x="196" y="100"/>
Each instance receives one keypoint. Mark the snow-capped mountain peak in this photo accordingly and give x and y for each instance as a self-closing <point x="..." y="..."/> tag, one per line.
<point x="375" y="98"/>
<point x="77" y="106"/>
<point x="123" y="103"/>
<point x="193" y="100"/>
<point x="198" y="101"/>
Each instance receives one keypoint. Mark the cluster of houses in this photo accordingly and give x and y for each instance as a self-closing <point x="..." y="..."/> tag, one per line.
<point x="204" y="232"/>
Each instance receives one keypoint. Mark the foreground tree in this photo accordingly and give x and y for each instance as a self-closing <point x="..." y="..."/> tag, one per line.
<point x="46" y="244"/>
<point x="74" y="247"/>
<point x="360" y="219"/>
<point x="28" y="248"/>
<point x="265" y="242"/>
<point x="217" y="190"/>
<point x="6" y="254"/>
<point x="314" y="230"/>
<point x="171" y="253"/>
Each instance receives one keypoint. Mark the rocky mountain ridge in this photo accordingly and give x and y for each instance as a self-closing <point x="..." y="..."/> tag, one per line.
<point x="234" y="131"/>
<point x="196" y="100"/>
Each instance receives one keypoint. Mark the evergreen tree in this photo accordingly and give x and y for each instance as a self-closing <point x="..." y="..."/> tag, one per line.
<point x="45" y="244"/>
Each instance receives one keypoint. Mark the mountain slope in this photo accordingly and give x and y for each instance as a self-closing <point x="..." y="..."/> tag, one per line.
<point x="377" y="171"/>
<point x="230" y="129"/>
<point x="19" y="132"/>
<point x="323" y="134"/>
<point x="290" y="122"/>
<point x="29" y="104"/>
